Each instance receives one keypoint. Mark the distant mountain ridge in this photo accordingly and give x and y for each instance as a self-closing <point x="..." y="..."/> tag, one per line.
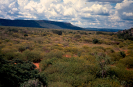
<point x="39" y="24"/>
<point x="104" y="29"/>
<point x="49" y="24"/>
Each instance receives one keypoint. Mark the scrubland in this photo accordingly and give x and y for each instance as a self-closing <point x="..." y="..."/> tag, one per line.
<point x="66" y="58"/>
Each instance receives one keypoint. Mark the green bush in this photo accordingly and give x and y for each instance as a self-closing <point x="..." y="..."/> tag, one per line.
<point x="13" y="30"/>
<point x="9" y="55"/>
<point x="39" y="40"/>
<point x="122" y="53"/>
<point x="121" y="45"/>
<point x="57" y="47"/>
<point x="124" y="75"/>
<point x="77" y="36"/>
<point x="87" y="40"/>
<point x="47" y="62"/>
<point x="116" y="56"/>
<point x="54" y="54"/>
<point x="7" y="40"/>
<point x="33" y="56"/>
<point x="45" y="34"/>
<point x="71" y="71"/>
<point x="59" y="84"/>
<point x="15" y="35"/>
<point x="22" y="48"/>
<point x="95" y="41"/>
<point x="16" y="72"/>
<point x="99" y="32"/>
<point x="84" y="33"/>
<point x="99" y="49"/>
<point x="103" y="62"/>
<point x="25" y="35"/>
<point x="57" y="32"/>
<point x="128" y="61"/>
<point x="19" y="55"/>
<point x="104" y="83"/>
<point x="73" y="50"/>
<point x="73" y="79"/>
<point x="109" y="50"/>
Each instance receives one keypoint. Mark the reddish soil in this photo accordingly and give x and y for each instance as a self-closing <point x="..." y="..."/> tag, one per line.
<point x="126" y="51"/>
<point x="68" y="56"/>
<point x="112" y="65"/>
<point x="129" y="69"/>
<point x="37" y="65"/>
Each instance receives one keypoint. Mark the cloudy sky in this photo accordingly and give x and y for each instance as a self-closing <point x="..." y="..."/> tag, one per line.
<point x="83" y="13"/>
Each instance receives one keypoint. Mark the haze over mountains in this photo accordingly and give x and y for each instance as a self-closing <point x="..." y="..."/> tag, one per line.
<point x="48" y="24"/>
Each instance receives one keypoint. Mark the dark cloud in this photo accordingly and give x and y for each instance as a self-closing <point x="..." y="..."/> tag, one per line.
<point x="102" y="14"/>
<point x="88" y="18"/>
<point x="129" y="18"/>
<point x="111" y="1"/>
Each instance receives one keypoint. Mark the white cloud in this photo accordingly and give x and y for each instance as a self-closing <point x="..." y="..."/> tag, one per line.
<point x="97" y="9"/>
<point x="22" y="2"/>
<point x="79" y="12"/>
<point x="112" y="1"/>
<point x="128" y="14"/>
<point x="124" y="10"/>
<point x="125" y="3"/>
<point x="5" y="1"/>
<point x="69" y="12"/>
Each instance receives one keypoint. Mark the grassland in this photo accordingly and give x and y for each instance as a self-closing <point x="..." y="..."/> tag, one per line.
<point x="70" y="58"/>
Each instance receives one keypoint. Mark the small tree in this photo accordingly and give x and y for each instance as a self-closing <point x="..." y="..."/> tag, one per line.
<point x="77" y="36"/>
<point x="95" y="41"/>
<point x="103" y="62"/>
<point x="25" y="35"/>
<point x="22" y="48"/>
<point x="122" y="53"/>
<point x="57" y="32"/>
<point x="16" y="72"/>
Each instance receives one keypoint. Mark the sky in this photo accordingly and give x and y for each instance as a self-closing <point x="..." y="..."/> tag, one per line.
<point x="116" y="14"/>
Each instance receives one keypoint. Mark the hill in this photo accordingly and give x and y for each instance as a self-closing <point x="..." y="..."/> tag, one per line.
<point x="125" y="34"/>
<point x="39" y="24"/>
<point x="50" y="25"/>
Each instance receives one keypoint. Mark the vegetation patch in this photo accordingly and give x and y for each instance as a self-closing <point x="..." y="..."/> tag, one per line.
<point x="41" y="57"/>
